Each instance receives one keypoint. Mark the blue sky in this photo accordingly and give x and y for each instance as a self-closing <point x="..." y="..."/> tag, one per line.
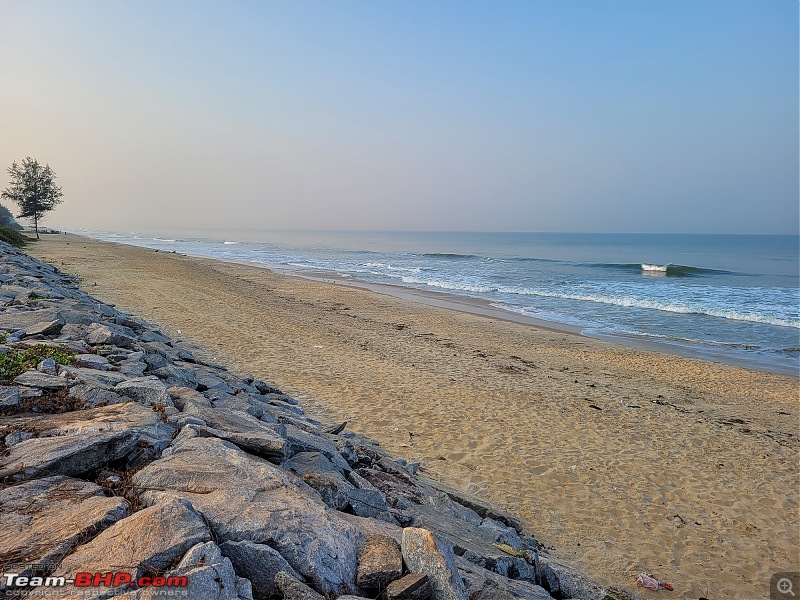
<point x="536" y="116"/>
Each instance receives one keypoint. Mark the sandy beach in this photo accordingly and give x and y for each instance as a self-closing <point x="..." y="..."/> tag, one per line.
<point x="621" y="460"/>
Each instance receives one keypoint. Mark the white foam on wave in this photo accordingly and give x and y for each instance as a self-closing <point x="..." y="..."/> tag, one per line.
<point x="451" y="285"/>
<point x="228" y="243"/>
<point x="665" y="306"/>
<point x="655" y="268"/>
<point x="388" y="267"/>
<point x="157" y="239"/>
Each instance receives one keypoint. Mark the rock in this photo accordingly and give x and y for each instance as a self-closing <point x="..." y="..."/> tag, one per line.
<point x="19" y="320"/>
<point x="367" y="503"/>
<point x="103" y="379"/>
<point x="133" y="368"/>
<point x="81" y="441"/>
<point x="15" y="437"/>
<point x="176" y="376"/>
<point x="155" y="361"/>
<point x="181" y="394"/>
<point x="431" y="554"/>
<point x="293" y="589"/>
<point x="209" y="381"/>
<point x="244" y="430"/>
<point x="9" y="397"/>
<point x="43" y="520"/>
<point x="72" y="331"/>
<point x="153" y="335"/>
<point x="247" y="498"/>
<point x="501" y="534"/>
<point x="561" y="580"/>
<point x="486" y="585"/>
<point x="379" y="563"/>
<point x="332" y="487"/>
<point x="304" y="463"/>
<point x="48" y="366"/>
<point x="149" y="391"/>
<point x="396" y="484"/>
<point x="41" y="381"/>
<point x="210" y="575"/>
<point x="92" y="396"/>
<point x="25" y="393"/>
<point x="347" y="450"/>
<point x="264" y="388"/>
<point x="303" y="441"/>
<point x="481" y="507"/>
<point x="92" y="361"/>
<point x="260" y="564"/>
<point x="414" y="586"/>
<point x="44" y="328"/>
<point x="115" y="335"/>
<point x="146" y="543"/>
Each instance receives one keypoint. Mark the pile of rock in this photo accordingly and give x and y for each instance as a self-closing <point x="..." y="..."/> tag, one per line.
<point x="138" y="456"/>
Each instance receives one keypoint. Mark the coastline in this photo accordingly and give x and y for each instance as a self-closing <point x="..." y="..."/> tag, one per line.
<point x="495" y="399"/>
<point x="478" y="306"/>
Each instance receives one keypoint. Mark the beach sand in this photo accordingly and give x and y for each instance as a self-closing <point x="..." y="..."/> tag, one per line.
<point x="698" y="486"/>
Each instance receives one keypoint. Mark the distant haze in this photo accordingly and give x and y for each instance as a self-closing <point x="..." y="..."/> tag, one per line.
<point x="648" y="116"/>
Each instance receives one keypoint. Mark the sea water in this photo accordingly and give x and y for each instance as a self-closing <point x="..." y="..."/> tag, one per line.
<point x="732" y="298"/>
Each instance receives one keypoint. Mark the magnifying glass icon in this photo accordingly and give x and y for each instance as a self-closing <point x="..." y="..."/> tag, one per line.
<point x="785" y="586"/>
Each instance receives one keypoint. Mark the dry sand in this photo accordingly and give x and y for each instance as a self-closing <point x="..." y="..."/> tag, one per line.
<point x="698" y="486"/>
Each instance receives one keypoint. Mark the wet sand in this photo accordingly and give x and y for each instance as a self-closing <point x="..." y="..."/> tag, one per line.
<point x="700" y="485"/>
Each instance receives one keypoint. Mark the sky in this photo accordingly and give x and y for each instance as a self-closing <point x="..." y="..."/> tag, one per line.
<point x="537" y="115"/>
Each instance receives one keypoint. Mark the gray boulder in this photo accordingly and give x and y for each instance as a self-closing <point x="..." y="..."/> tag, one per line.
<point x="210" y="576"/>
<point x="81" y="441"/>
<point x="149" y="391"/>
<point x="176" y="376"/>
<point x="42" y="381"/>
<point x="303" y="441"/>
<point x="93" y="396"/>
<point x="147" y="542"/>
<point x="260" y="564"/>
<point x="44" y="328"/>
<point x="180" y="395"/>
<point x="379" y="563"/>
<point x="332" y="487"/>
<point x="247" y="498"/>
<point x="92" y="361"/>
<point x="482" y="584"/>
<point x="95" y="377"/>
<point x="561" y="580"/>
<point x="47" y="366"/>
<point x="414" y="586"/>
<point x="114" y="335"/>
<point x="43" y="520"/>
<point x="242" y="429"/>
<point x="293" y="589"/>
<point x="431" y="554"/>
<point x="9" y="396"/>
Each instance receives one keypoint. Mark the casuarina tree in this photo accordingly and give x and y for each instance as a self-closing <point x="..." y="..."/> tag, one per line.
<point x="33" y="187"/>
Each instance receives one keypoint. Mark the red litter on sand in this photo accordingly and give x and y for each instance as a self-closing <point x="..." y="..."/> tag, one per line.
<point x="651" y="583"/>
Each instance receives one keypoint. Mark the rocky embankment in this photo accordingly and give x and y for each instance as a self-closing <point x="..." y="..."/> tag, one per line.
<point x="124" y="452"/>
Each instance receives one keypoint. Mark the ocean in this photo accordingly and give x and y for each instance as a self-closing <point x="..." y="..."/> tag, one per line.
<point x="729" y="298"/>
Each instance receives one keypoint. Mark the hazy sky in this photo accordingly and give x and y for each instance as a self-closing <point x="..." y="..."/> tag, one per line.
<point x="585" y="115"/>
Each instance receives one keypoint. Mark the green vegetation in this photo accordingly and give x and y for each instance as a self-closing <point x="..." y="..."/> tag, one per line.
<point x="7" y="219"/>
<point x="17" y="360"/>
<point x="33" y="187"/>
<point x="13" y="237"/>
